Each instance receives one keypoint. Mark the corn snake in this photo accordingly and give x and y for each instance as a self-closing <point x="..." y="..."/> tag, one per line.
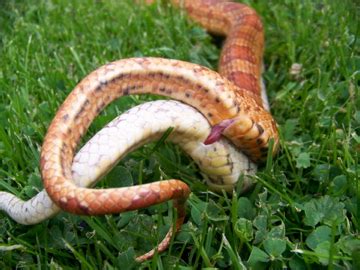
<point x="249" y="127"/>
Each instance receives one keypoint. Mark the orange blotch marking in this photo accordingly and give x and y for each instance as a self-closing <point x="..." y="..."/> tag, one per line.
<point x="245" y="81"/>
<point x="253" y="21"/>
<point x="238" y="52"/>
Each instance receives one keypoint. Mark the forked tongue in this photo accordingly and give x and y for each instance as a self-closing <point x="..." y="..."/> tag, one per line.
<point x="217" y="130"/>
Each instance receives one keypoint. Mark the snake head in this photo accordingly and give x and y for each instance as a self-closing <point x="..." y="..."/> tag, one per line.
<point x="247" y="134"/>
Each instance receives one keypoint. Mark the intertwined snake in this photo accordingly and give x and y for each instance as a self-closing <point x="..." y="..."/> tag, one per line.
<point x="220" y="162"/>
<point x="231" y="102"/>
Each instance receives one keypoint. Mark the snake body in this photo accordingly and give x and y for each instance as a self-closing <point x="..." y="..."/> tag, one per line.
<point x="231" y="102"/>
<point x="220" y="162"/>
<point x="216" y="97"/>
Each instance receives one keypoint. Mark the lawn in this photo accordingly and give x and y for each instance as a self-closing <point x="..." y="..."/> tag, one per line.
<point x="303" y="212"/>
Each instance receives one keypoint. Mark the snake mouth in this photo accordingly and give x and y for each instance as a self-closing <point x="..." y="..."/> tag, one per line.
<point x="217" y="131"/>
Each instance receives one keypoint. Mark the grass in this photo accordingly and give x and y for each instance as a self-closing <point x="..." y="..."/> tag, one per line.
<point x="303" y="213"/>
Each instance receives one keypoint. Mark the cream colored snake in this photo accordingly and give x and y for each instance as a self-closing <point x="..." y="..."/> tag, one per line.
<point x="231" y="102"/>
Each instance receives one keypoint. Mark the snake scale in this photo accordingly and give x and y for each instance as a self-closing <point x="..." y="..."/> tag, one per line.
<point x="232" y="101"/>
